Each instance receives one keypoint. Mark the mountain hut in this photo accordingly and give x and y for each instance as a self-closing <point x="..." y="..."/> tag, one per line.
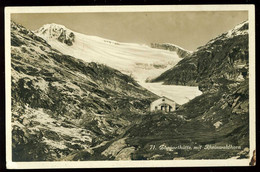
<point x="163" y="104"/>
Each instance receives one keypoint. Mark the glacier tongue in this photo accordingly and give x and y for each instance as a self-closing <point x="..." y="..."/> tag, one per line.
<point x="180" y="94"/>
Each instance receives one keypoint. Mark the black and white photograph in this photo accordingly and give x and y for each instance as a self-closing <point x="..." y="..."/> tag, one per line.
<point x="130" y="86"/>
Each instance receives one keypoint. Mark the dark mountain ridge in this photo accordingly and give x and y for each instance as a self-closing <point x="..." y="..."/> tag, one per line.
<point x="222" y="61"/>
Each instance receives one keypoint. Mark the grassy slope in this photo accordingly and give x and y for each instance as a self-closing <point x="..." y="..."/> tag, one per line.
<point x="193" y="125"/>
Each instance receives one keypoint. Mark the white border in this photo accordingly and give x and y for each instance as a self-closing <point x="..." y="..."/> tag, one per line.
<point x="144" y="163"/>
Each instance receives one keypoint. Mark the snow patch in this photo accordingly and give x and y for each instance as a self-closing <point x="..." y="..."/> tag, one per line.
<point x="42" y="84"/>
<point x="55" y="144"/>
<point x="217" y="124"/>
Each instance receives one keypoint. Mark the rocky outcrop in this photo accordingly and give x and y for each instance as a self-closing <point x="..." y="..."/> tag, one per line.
<point x="55" y="31"/>
<point x="182" y="53"/>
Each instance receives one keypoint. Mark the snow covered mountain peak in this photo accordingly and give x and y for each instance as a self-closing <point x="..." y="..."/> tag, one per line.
<point x="142" y="61"/>
<point x="53" y="25"/>
<point x="56" y="31"/>
<point x="240" y="29"/>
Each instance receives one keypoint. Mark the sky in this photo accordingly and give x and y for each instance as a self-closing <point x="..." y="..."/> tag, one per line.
<point x="186" y="29"/>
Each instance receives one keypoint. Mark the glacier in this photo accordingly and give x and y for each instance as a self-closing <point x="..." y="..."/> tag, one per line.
<point x="141" y="62"/>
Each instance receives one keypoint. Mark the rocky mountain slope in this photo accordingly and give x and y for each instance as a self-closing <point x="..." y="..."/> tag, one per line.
<point x="171" y="47"/>
<point x="221" y="61"/>
<point x="61" y="104"/>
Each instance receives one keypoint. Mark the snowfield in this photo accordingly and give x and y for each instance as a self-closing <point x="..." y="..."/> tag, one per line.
<point x="139" y="61"/>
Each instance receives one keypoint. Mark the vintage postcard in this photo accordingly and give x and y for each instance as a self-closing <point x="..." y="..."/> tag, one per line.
<point x="130" y="86"/>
